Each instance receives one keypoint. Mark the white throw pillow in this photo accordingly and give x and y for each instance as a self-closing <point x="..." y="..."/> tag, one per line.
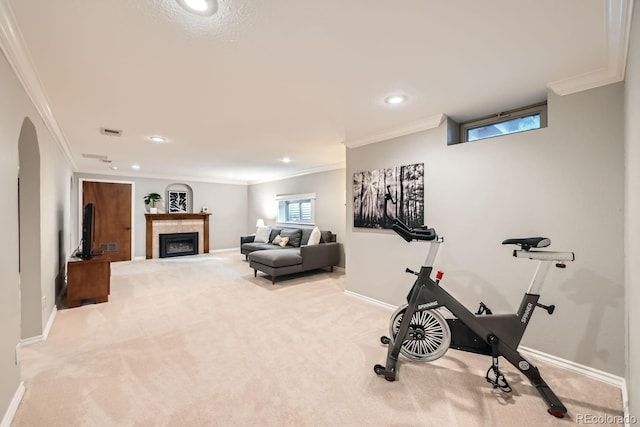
<point x="314" y="237"/>
<point x="282" y="241"/>
<point x="262" y="235"/>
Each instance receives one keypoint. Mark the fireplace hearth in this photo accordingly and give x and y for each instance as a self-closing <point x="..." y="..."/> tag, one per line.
<point x="178" y="244"/>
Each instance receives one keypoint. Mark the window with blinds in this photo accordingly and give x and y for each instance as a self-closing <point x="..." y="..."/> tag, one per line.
<point x="296" y="208"/>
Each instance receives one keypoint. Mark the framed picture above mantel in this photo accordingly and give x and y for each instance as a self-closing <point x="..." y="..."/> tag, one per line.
<point x="178" y="201"/>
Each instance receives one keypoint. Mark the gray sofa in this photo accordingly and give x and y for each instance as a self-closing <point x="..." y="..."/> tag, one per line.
<point x="296" y="257"/>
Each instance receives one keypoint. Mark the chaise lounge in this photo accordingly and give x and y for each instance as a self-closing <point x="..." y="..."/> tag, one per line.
<point x="296" y="255"/>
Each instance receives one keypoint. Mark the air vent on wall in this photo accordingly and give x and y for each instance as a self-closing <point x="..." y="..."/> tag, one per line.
<point x="110" y="132"/>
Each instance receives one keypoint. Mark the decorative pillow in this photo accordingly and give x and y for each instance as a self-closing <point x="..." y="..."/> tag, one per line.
<point x="262" y="235"/>
<point x="281" y="241"/>
<point x="314" y="238"/>
<point x="294" y="235"/>
<point x="273" y="234"/>
<point x="306" y="233"/>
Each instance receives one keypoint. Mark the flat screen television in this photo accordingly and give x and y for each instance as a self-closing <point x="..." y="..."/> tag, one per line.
<point x="88" y="224"/>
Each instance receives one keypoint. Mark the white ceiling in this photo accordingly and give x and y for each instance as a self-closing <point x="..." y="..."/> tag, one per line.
<point x="236" y="92"/>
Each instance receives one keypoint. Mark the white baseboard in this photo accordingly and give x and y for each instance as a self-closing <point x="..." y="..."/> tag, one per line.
<point x="13" y="406"/>
<point x="215" y="251"/>
<point x="25" y="342"/>
<point x="38" y="338"/>
<point x="586" y="371"/>
<point x="47" y="327"/>
<point x="31" y="340"/>
<point x="625" y="403"/>
<point x="370" y="300"/>
<point x="141" y="258"/>
<point x="577" y="368"/>
<point x="45" y="333"/>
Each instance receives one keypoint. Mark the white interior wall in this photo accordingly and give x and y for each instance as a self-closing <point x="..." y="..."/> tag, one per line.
<point x="564" y="182"/>
<point x="632" y="214"/>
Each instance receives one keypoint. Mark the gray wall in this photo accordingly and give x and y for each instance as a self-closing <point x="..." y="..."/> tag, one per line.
<point x="29" y="216"/>
<point x="226" y="202"/>
<point x="330" y="200"/>
<point x="632" y="214"/>
<point x="55" y="218"/>
<point x="564" y="182"/>
<point x="54" y="214"/>
<point x="10" y="123"/>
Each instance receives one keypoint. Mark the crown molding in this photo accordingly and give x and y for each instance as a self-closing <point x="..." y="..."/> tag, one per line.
<point x="86" y="173"/>
<point x="431" y="122"/>
<point x="617" y="30"/>
<point x="16" y="52"/>
<point x="335" y="166"/>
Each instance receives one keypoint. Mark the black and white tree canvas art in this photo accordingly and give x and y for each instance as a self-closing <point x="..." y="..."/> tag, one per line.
<point x="407" y="189"/>
<point x="178" y="201"/>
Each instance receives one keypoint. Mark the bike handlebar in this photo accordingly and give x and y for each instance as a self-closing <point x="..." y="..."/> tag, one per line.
<point x="410" y="234"/>
<point x="403" y="230"/>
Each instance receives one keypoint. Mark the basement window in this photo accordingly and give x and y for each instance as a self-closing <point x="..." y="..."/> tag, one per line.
<point x="296" y="208"/>
<point x="508" y="122"/>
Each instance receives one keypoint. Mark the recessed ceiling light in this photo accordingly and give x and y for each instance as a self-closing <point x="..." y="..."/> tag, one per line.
<point x="158" y="139"/>
<point x="115" y="168"/>
<point x="135" y="166"/>
<point x="395" y="99"/>
<point x="286" y="160"/>
<point x="200" y="7"/>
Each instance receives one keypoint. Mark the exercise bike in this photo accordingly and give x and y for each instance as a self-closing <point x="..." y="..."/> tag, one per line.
<point x="421" y="333"/>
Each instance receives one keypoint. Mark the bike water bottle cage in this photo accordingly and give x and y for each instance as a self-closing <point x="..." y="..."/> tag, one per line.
<point x="529" y="242"/>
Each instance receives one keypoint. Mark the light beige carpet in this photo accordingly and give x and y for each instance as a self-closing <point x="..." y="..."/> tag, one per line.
<point x="198" y="341"/>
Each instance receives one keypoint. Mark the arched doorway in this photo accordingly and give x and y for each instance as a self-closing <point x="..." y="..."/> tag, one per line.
<point x="29" y="219"/>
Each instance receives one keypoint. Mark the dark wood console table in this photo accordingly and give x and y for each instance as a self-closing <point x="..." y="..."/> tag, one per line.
<point x="88" y="279"/>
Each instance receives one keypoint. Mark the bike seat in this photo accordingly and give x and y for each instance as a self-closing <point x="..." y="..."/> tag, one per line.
<point x="529" y="242"/>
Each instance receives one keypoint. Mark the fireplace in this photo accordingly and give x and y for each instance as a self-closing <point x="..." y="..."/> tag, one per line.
<point x="157" y="224"/>
<point x="178" y="244"/>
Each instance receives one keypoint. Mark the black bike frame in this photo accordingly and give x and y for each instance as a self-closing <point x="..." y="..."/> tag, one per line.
<point x="501" y="333"/>
<point x="509" y="327"/>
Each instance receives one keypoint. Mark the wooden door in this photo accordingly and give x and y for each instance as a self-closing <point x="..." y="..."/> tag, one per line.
<point x="112" y="202"/>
